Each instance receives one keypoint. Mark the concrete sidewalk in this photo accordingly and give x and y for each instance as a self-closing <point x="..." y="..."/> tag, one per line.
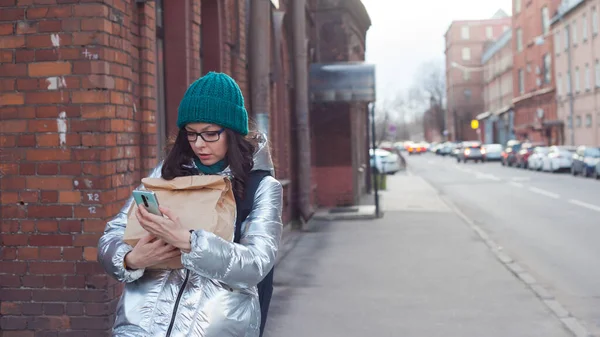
<point x="418" y="271"/>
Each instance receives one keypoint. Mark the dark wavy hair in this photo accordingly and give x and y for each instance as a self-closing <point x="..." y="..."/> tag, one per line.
<point x="240" y="154"/>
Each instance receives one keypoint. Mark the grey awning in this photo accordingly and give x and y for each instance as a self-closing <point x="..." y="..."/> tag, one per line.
<point x="342" y="82"/>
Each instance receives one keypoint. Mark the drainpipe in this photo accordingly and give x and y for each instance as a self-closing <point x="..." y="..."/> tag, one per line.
<point x="302" y="113"/>
<point x="260" y="61"/>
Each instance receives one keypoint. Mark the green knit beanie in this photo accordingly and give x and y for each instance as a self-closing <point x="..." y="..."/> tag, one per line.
<point x="214" y="98"/>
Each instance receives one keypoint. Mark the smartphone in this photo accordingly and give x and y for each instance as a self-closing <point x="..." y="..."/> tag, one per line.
<point x="147" y="199"/>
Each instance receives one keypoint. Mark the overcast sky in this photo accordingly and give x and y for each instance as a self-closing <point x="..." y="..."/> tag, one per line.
<point x="406" y="33"/>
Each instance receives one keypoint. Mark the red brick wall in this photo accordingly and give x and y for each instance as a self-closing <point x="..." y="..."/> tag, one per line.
<point x="529" y="19"/>
<point x="77" y="108"/>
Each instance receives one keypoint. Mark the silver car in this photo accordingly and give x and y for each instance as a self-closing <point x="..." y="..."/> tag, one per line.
<point x="492" y="152"/>
<point x="470" y="151"/>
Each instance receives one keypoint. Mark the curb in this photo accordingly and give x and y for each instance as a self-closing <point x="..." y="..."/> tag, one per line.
<point x="572" y="324"/>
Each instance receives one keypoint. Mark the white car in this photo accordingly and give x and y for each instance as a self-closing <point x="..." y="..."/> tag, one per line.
<point x="384" y="161"/>
<point x="558" y="158"/>
<point x="536" y="159"/>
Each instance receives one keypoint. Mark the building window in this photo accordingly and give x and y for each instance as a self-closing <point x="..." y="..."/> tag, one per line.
<point x="578" y="121"/>
<point x="547" y="68"/>
<point x="566" y="37"/>
<point x="517" y="6"/>
<point x="557" y="43"/>
<point x="574" y="32"/>
<point x="545" y="20"/>
<point x="464" y="32"/>
<point x="584" y="28"/>
<point x="597" y="73"/>
<point x="467" y="94"/>
<point x="588" y="78"/>
<point x="570" y="122"/>
<point x="161" y="120"/>
<point x="466" y="75"/>
<point x="568" y="82"/>
<point x="505" y="28"/>
<point x="558" y="85"/>
<point x="521" y="81"/>
<point x="519" y="40"/>
<point x="577" y="86"/>
<point x="466" y="54"/>
<point x="588" y="120"/>
<point x="489" y="32"/>
<point x="594" y="21"/>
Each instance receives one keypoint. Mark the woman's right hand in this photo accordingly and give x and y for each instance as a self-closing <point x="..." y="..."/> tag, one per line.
<point x="150" y="251"/>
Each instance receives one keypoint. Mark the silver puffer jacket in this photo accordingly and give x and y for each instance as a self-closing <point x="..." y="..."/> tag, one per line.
<point x="215" y="294"/>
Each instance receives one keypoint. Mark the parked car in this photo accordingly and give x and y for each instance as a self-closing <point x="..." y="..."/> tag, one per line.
<point x="384" y="161"/>
<point x="585" y="160"/>
<point x="446" y="149"/>
<point x="559" y="158"/>
<point x="534" y="162"/>
<point x="456" y="149"/>
<point x="493" y="152"/>
<point x="510" y="152"/>
<point x="416" y="148"/>
<point x="470" y="151"/>
<point x="522" y="156"/>
<point x="596" y="173"/>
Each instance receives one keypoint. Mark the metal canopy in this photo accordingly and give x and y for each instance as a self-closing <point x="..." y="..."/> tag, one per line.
<point x="342" y="82"/>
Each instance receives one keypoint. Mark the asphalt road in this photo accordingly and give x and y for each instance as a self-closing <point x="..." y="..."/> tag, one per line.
<point x="549" y="223"/>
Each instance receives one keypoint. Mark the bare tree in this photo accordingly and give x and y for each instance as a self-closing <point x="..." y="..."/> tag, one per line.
<point x="429" y="90"/>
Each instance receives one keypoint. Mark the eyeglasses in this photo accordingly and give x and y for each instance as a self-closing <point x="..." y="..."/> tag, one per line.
<point x="207" y="136"/>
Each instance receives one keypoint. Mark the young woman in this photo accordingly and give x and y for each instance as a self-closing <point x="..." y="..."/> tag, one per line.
<point x="215" y="294"/>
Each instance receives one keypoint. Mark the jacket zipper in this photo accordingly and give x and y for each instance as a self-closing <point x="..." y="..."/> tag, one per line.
<point x="185" y="281"/>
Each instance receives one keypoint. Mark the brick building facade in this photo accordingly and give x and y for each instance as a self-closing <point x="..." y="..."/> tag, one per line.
<point x="533" y="80"/>
<point x="88" y="100"/>
<point x="78" y="107"/>
<point x="341" y="27"/>
<point x="465" y="42"/>
<point x="581" y="20"/>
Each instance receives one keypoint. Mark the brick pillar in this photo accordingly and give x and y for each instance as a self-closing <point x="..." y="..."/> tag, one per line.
<point x="77" y="108"/>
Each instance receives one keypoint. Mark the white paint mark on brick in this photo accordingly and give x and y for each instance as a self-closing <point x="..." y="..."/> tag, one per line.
<point x="76" y="183"/>
<point x="90" y="56"/>
<point x="88" y="183"/>
<point x="56" y="82"/>
<point x="134" y="108"/>
<point x="55" y="40"/>
<point x="61" y="122"/>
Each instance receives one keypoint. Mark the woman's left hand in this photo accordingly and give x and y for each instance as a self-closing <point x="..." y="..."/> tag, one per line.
<point x="169" y="229"/>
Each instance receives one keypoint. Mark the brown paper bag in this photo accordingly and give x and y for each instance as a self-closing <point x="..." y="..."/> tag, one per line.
<point x="201" y="202"/>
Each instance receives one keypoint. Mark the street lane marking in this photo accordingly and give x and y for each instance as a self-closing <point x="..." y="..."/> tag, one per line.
<point x="480" y="175"/>
<point x="520" y="178"/>
<point x="585" y="204"/>
<point x="544" y="192"/>
<point x="519" y="185"/>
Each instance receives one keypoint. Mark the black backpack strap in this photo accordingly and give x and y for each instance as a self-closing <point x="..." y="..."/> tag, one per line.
<point x="244" y="207"/>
